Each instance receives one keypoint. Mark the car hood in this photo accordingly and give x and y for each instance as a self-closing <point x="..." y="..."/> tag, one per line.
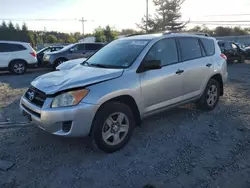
<point x="78" y="76"/>
<point x="70" y="64"/>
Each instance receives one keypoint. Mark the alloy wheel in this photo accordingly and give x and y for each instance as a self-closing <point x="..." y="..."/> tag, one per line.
<point x="115" y="128"/>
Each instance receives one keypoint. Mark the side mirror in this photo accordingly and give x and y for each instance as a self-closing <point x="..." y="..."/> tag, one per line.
<point x="149" y="65"/>
<point x="71" y="50"/>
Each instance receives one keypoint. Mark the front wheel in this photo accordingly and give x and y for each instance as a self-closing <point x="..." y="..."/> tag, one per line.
<point x="210" y="97"/>
<point x="18" y="67"/>
<point x="112" y="127"/>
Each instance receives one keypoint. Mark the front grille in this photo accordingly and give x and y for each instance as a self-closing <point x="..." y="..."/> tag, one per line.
<point x="31" y="111"/>
<point x="35" y="96"/>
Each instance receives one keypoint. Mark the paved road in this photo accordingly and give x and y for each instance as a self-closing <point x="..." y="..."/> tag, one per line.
<point x="183" y="147"/>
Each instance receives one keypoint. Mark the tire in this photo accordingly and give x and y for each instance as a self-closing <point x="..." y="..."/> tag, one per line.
<point x="105" y="125"/>
<point x="58" y="62"/>
<point x="18" y="67"/>
<point x="210" y="97"/>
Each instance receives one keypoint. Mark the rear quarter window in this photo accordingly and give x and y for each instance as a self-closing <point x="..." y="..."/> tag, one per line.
<point x="209" y="46"/>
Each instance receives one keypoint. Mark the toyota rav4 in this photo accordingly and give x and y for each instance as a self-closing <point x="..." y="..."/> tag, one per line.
<point x="107" y="95"/>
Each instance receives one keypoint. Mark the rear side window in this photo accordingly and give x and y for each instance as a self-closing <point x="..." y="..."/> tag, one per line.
<point x="6" y="47"/>
<point x="93" y="47"/>
<point x="208" y="44"/>
<point x="190" y="48"/>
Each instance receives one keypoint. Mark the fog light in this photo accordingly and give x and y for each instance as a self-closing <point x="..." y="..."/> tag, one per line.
<point x="66" y="126"/>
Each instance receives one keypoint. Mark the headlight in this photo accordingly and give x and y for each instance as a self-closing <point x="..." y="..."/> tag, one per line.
<point x="70" y="98"/>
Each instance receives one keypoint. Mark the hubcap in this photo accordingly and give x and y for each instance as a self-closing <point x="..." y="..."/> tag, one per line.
<point x="115" y="128"/>
<point x="212" y="95"/>
<point x="18" y="68"/>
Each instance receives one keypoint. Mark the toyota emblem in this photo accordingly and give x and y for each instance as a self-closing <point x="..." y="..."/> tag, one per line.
<point x="31" y="95"/>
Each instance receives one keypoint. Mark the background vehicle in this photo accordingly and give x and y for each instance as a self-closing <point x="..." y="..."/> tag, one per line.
<point x="41" y="52"/>
<point x="17" y="56"/>
<point x="70" y="64"/>
<point x="74" y="51"/>
<point x="107" y="95"/>
<point x="232" y="51"/>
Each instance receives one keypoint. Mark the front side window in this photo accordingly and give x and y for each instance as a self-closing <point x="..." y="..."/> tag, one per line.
<point x="165" y="51"/>
<point x="118" y="54"/>
<point x="190" y="48"/>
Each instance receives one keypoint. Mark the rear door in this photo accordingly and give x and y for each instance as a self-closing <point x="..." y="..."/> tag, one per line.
<point x="5" y="55"/>
<point x="197" y="65"/>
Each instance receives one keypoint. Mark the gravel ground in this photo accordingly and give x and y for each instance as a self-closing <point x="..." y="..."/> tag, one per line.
<point x="183" y="147"/>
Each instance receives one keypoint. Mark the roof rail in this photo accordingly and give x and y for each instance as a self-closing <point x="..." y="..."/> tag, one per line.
<point x="183" y="32"/>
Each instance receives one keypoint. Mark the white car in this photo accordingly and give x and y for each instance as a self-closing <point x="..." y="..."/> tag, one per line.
<point x="17" y="56"/>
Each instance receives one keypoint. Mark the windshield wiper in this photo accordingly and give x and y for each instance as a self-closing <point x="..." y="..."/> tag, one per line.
<point x="99" y="65"/>
<point x="85" y="62"/>
<point x="108" y="66"/>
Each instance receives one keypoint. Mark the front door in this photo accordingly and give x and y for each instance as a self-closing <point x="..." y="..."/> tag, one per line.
<point x="162" y="87"/>
<point x="78" y="51"/>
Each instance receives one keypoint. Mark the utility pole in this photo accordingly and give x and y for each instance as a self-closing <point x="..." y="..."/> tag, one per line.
<point x="83" y="21"/>
<point x="146" y="16"/>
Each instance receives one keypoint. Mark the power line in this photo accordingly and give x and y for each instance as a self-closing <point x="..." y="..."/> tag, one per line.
<point x="227" y="15"/>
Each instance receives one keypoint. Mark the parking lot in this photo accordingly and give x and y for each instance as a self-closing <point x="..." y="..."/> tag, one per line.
<point x="183" y="147"/>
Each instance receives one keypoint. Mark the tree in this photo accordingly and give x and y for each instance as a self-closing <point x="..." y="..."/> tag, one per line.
<point x="99" y="35"/>
<point x="127" y="32"/>
<point x="51" y="39"/>
<point x="152" y="25"/>
<point x="24" y="35"/>
<point x="110" y="34"/>
<point x="166" y="17"/>
<point x="17" y="27"/>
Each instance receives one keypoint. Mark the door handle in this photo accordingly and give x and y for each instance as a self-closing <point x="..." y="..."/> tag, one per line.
<point x="209" y="65"/>
<point x="179" y="71"/>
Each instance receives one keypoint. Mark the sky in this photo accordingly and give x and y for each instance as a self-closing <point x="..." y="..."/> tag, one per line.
<point x="117" y="13"/>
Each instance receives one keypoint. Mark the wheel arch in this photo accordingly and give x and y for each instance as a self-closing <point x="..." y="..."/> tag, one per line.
<point x="18" y="59"/>
<point x="128" y="100"/>
<point x="219" y="79"/>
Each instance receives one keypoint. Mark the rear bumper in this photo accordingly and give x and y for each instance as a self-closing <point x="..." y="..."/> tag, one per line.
<point x="52" y="120"/>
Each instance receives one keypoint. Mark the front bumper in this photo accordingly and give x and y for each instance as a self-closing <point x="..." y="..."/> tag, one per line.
<point x="52" y="120"/>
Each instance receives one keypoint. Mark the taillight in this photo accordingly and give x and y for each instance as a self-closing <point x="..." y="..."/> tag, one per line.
<point x="33" y="54"/>
<point x="223" y="56"/>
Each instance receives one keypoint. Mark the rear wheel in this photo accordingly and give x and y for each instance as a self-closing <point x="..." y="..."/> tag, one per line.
<point x="18" y="67"/>
<point x="112" y="127"/>
<point x="210" y="97"/>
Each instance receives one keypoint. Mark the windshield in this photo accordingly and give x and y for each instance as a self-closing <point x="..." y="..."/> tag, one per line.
<point x="118" y="54"/>
<point x="42" y="49"/>
<point x="67" y="47"/>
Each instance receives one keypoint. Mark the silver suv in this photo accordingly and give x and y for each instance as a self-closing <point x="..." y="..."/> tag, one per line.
<point x="107" y="95"/>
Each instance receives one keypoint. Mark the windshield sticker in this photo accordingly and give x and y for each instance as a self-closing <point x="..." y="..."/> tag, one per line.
<point x="139" y="43"/>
